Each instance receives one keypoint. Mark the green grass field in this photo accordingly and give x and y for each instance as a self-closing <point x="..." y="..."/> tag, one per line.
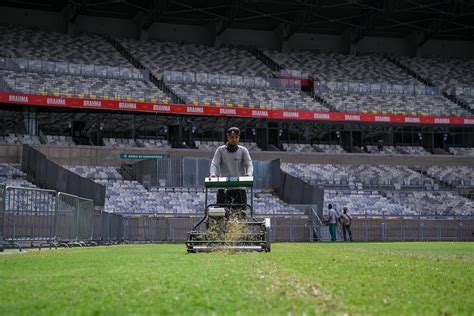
<point x="308" y="278"/>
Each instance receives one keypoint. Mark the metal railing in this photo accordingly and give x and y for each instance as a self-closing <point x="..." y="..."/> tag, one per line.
<point x="47" y="217"/>
<point x="375" y="88"/>
<point x="31" y="217"/>
<point x="407" y="108"/>
<point x="413" y="229"/>
<point x="67" y="68"/>
<point x="255" y="103"/>
<point x="82" y="92"/>
<point x="202" y="78"/>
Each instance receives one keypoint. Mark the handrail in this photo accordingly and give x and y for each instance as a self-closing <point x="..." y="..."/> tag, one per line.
<point x="73" y="69"/>
<point x="315" y="214"/>
<point x="316" y="225"/>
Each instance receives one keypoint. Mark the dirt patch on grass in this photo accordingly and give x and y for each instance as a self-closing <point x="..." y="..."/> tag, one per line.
<point x="295" y="288"/>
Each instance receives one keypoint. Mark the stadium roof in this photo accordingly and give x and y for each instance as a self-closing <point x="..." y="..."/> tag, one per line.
<point x="431" y="19"/>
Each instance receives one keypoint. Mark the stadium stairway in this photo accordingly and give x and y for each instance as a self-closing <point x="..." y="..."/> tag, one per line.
<point x="439" y="151"/>
<point x="127" y="173"/>
<point x="322" y="100"/>
<point x="459" y="102"/>
<point x="321" y="231"/>
<point x="437" y="181"/>
<point x="269" y="62"/>
<point x="4" y="86"/>
<point x="428" y="82"/>
<point x="468" y="193"/>
<point x="325" y="236"/>
<point x="410" y="72"/>
<point x="137" y="64"/>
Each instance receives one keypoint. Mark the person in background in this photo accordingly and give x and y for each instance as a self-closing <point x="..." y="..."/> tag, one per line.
<point x="332" y="222"/>
<point x="346" y="222"/>
<point x="380" y="145"/>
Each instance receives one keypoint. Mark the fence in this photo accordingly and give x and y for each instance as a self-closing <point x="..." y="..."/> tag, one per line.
<point x="44" y="216"/>
<point x="51" y="175"/>
<point x="190" y="172"/>
<point x="28" y="214"/>
<point x="301" y="229"/>
<point x="414" y="229"/>
<point x="375" y="88"/>
<point x="401" y="228"/>
<point x="202" y="78"/>
<point x="75" y="219"/>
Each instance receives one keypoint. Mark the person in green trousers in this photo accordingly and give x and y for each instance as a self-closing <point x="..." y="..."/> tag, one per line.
<point x="332" y="221"/>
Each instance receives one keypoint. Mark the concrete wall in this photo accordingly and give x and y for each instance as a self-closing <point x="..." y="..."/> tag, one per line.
<point x="457" y="49"/>
<point x="398" y="46"/>
<point x="176" y="32"/>
<point x="323" y="42"/>
<point x="260" y="39"/>
<point x="91" y="156"/>
<point x="10" y="153"/>
<point x="43" y="20"/>
<point x="114" y="27"/>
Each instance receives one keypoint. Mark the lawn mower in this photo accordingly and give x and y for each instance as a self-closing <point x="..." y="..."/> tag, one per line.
<point x="229" y="225"/>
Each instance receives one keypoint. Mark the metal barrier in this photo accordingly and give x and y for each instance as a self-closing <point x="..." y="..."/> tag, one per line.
<point x="30" y="215"/>
<point x="115" y="227"/>
<point x="67" y="227"/>
<point x="415" y="229"/>
<point x="142" y="229"/>
<point x="85" y="227"/>
<point x="75" y="219"/>
<point x="97" y="227"/>
<point x="105" y="238"/>
<point x="112" y="228"/>
<point x="2" y="194"/>
<point x="47" y="217"/>
<point x="130" y="229"/>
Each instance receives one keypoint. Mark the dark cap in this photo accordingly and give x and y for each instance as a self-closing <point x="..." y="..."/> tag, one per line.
<point x="233" y="131"/>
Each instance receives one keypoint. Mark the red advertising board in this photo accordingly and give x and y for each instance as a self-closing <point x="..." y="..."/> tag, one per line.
<point x="98" y="104"/>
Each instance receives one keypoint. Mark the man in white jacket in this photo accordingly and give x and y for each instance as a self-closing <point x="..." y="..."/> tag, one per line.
<point x="231" y="160"/>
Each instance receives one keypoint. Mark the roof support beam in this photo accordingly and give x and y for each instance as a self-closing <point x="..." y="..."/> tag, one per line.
<point x="72" y="10"/>
<point x="286" y="29"/>
<point x="302" y="19"/>
<point x="368" y="22"/>
<point x="157" y="8"/>
<point x="219" y="25"/>
<point x="440" y="24"/>
<point x="231" y="14"/>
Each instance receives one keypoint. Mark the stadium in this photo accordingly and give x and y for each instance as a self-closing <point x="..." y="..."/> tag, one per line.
<point x="112" y="114"/>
